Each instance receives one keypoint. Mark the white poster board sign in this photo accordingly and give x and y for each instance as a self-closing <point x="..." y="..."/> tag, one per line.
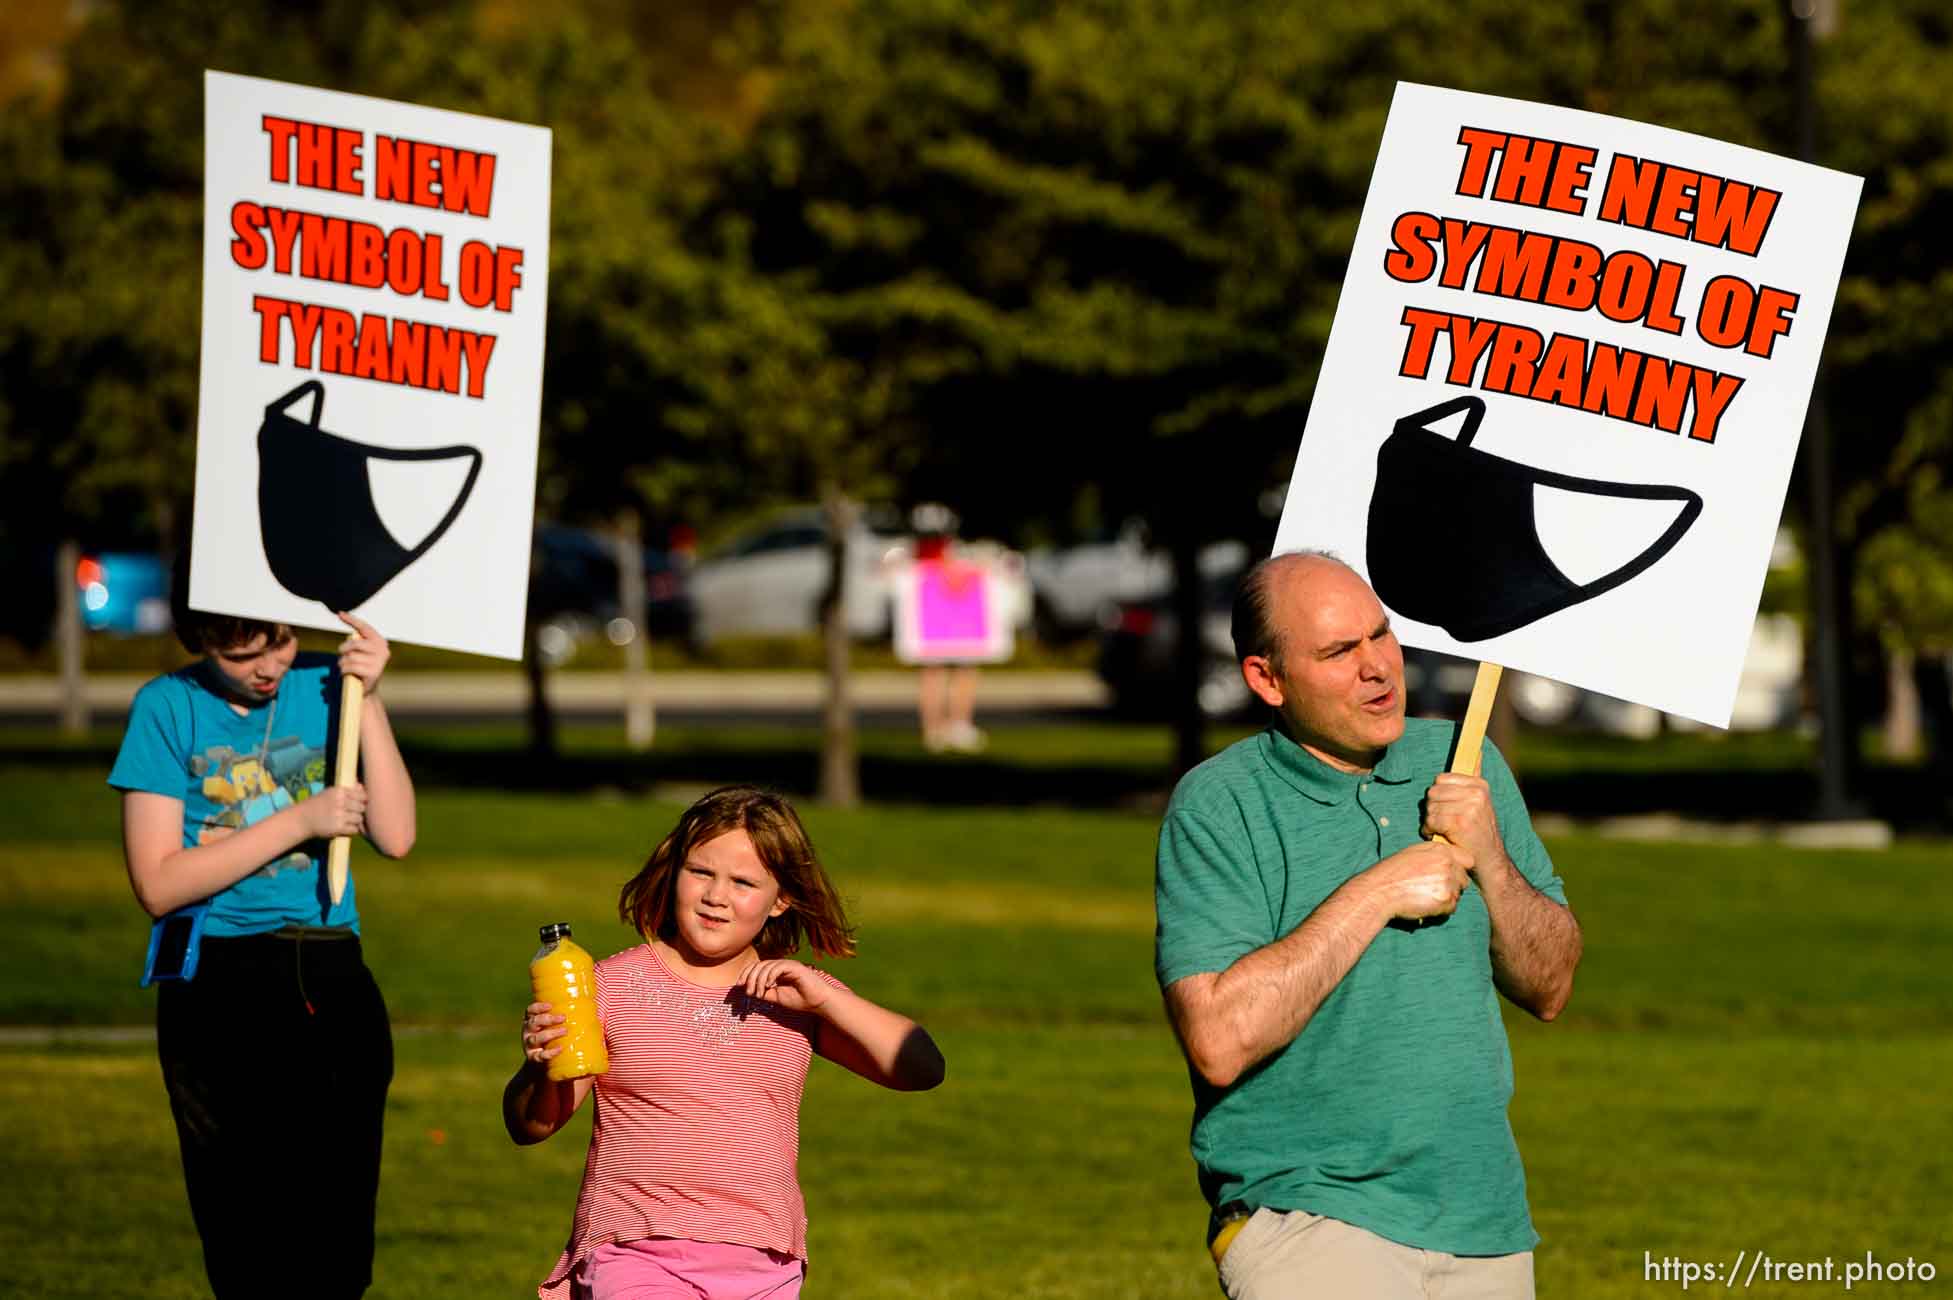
<point x="374" y="281"/>
<point x="951" y="609"/>
<point x="1564" y="389"/>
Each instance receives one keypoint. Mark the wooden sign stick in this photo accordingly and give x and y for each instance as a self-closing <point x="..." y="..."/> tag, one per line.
<point x="1471" y="733"/>
<point x="345" y="771"/>
<point x="1478" y="714"/>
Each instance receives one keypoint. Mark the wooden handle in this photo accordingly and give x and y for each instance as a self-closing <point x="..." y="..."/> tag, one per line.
<point x="1471" y="736"/>
<point x="345" y="771"/>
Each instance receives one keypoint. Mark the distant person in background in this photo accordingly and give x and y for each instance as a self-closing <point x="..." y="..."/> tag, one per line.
<point x="946" y="693"/>
<point x="1337" y="915"/>
<point x="277" y="1052"/>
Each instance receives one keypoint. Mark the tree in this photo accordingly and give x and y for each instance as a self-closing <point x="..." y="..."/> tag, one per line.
<point x="1904" y="593"/>
<point x="1100" y="244"/>
<point x="1061" y="246"/>
<point x="1016" y="255"/>
<point x="101" y="255"/>
<point x="103" y="215"/>
<point x="1882" y="88"/>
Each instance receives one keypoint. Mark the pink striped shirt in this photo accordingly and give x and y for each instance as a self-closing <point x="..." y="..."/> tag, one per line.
<point x="698" y="1121"/>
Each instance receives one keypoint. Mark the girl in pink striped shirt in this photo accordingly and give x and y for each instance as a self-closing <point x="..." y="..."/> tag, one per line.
<point x="691" y="1186"/>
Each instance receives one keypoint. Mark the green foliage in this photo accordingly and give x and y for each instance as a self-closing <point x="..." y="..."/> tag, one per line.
<point x="1046" y="261"/>
<point x="101" y="215"/>
<point x="1886" y="116"/>
<point x="100" y="253"/>
<point x="1054" y="239"/>
<point x="1904" y="586"/>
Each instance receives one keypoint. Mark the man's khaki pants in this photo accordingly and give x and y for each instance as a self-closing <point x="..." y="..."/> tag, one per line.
<point x="1301" y="1256"/>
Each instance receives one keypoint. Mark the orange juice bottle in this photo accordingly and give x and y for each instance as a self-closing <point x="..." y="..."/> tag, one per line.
<point x="561" y="975"/>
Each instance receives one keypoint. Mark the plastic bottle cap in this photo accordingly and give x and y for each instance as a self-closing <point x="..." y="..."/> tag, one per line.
<point x="555" y="930"/>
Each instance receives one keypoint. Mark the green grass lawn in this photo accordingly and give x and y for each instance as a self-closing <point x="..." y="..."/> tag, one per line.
<point x="1756" y="1056"/>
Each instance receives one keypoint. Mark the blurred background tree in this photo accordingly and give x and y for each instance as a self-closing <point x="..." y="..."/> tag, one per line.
<point x="1887" y="117"/>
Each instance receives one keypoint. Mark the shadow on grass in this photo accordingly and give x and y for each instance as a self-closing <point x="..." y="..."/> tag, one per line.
<point x="1088" y="763"/>
<point x="1911" y="799"/>
<point x="885" y="778"/>
<point x="475" y="759"/>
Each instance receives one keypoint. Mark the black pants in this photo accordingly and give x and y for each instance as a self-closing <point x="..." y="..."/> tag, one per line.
<point x="277" y="1058"/>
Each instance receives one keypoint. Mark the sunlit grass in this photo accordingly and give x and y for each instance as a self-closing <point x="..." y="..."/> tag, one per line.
<point x="1754" y="1058"/>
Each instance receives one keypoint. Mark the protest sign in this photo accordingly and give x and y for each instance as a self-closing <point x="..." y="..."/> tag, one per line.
<point x="951" y="610"/>
<point x="1564" y="388"/>
<point x="375" y="276"/>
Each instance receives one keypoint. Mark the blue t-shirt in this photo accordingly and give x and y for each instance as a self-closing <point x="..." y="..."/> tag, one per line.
<point x="231" y="771"/>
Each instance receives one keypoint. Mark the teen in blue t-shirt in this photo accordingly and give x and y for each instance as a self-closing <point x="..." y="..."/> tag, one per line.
<point x="277" y="1053"/>
<point x="229" y="767"/>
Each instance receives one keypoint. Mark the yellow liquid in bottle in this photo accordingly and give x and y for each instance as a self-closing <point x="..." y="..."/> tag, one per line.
<point x="562" y="976"/>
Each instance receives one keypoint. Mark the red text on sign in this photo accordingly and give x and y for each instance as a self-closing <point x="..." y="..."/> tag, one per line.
<point x="489" y="274"/>
<point x="1685" y="204"/>
<point x="1521" y="169"/>
<point x="317" y="247"/>
<point x="318" y="157"/>
<point x="1569" y="371"/>
<point x="1573" y="274"/>
<point x="1735" y="313"/>
<point x="433" y="175"/>
<point x="371" y="346"/>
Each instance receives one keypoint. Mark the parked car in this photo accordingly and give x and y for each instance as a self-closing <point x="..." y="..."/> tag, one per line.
<point x="573" y="593"/>
<point x="1137" y="647"/>
<point x="1076" y="588"/>
<point x="769" y="580"/>
<point x="1769" y="693"/>
<point x="124" y="593"/>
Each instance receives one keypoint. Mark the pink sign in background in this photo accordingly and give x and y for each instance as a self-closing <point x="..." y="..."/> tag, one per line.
<point x="953" y="604"/>
<point x="947" y="611"/>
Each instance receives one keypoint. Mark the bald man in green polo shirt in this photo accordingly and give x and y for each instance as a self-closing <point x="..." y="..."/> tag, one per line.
<point x="1333" y="972"/>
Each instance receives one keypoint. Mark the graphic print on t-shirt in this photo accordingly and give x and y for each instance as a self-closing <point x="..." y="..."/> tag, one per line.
<point x="247" y="788"/>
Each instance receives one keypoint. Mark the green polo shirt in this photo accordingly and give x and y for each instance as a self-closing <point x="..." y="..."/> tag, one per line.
<point x="1388" y="1111"/>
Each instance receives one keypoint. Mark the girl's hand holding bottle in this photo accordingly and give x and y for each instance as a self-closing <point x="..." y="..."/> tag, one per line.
<point x="541" y="1027"/>
<point x="533" y="1105"/>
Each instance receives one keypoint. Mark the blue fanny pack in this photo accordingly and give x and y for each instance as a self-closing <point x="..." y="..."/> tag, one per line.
<point x="174" y="943"/>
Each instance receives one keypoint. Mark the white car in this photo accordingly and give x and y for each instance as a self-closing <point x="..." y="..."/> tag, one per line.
<point x="1080" y="589"/>
<point x="769" y="580"/>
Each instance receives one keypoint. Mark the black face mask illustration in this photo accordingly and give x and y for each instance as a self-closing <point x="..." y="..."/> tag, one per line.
<point x="322" y="534"/>
<point x="1438" y="499"/>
